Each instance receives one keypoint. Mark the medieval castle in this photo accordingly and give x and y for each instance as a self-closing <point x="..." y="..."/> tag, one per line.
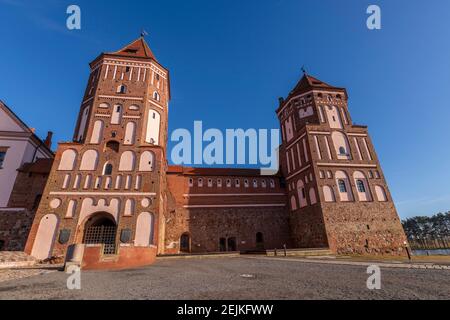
<point x="112" y="200"/>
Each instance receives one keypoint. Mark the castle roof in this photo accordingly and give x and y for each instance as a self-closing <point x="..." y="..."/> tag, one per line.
<point x="308" y="83"/>
<point x="137" y="49"/>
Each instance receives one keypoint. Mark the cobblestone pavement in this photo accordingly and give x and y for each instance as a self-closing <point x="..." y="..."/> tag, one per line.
<point x="235" y="278"/>
<point x="16" y="274"/>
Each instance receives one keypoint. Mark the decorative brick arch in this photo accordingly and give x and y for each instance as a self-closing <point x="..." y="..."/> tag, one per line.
<point x="45" y="237"/>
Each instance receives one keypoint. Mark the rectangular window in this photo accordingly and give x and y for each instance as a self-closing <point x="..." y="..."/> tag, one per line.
<point x="2" y="156"/>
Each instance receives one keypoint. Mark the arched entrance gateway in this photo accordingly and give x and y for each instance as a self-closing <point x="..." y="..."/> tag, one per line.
<point x="101" y="228"/>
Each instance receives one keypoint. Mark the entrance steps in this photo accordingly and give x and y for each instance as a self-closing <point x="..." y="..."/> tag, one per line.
<point x="16" y="259"/>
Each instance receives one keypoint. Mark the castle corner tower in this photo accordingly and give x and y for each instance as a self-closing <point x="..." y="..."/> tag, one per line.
<point x="105" y="196"/>
<point x="338" y="196"/>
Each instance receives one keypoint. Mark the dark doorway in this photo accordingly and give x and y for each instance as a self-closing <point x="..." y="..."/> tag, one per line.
<point x="2" y="245"/>
<point x="232" y="244"/>
<point x="222" y="244"/>
<point x="185" y="243"/>
<point x="101" y="229"/>
<point x="259" y="241"/>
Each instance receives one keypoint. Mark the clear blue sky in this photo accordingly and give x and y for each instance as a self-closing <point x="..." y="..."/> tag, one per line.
<point x="231" y="60"/>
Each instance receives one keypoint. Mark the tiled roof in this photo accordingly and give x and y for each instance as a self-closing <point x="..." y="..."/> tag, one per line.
<point x="138" y="48"/>
<point x="39" y="166"/>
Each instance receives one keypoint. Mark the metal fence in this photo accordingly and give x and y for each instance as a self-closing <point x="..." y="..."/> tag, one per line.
<point x="430" y="243"/>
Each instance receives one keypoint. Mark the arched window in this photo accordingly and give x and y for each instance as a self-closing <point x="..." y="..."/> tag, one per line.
<point x="129" y="207"/>
<point x="118" y="182"/>
<point x="345" y="193"/>
<point x="341" y="145"/>
<point x="147" y="161"/>
<point x="342" y="186"/>
<point x="89" y="160"/>
<point x="301" y="193"/>
<point x="116" y="116"/>
<point x="122" y="89"/>
<point x="107" y="170"/>
<point x="312" y="196"/>
<point x="293" y="203"/>
<point x="362" y="186"/>
<point x="82" y="126"/>
<point x="130" y="133"/>
<point x="68" y="160"/>
<point x="328" y="194"/>
<point x="272" y="183"/>
<point x="334" y="118"/>
<point x="153" y="125"/>
<point x="103" y="106"/>
<point x="381" y="194"/>
<point x="156" y="96"/>
<point x="97" y="132"/>
<point x="127" y="161"/>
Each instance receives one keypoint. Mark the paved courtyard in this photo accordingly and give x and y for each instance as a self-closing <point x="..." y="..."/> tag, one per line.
<point x="233" y="278"/>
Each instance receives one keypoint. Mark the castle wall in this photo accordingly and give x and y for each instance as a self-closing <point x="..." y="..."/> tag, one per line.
<point x="209" y="213"/>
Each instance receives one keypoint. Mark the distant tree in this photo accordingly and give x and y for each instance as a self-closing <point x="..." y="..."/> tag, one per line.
<point x="423" y="227"/>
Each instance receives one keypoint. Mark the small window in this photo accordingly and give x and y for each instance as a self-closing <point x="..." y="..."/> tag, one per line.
<point x="264" y="184"/>
<point x="127" y="69"/>
<point x="237" y="182"/>
<point x="329" y="175"/>
<point x="342" y="151"/>
<point x="228" y="183"/>
<point x="191" y="182"/>
<point x="156" y="96"/>
<point x="108" y="170"/>
<point x="219" y="183"/>
<point x="122" y="89"/>
<point x="360" y="186"/>
<point x="370" y="174"/>
<point x="157" y="77"/>
<point x="246" y="184"/>
<point x="113" y="134"/>
<point x="200" y="182"/>
<point x="210" y="183"/>
<point x="272" y="183"/>
<point x="2" y="158"/>
<point x="255" y="183"/>
<point x="342" y="186"/>
<point x="321" y="174"/>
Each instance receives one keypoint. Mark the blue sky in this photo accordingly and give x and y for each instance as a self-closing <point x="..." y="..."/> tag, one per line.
<point x="231" y="60"/>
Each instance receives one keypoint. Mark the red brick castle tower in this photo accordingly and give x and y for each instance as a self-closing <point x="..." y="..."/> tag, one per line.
<point x="107" y="188"/>
<point x="338" y="196"/>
